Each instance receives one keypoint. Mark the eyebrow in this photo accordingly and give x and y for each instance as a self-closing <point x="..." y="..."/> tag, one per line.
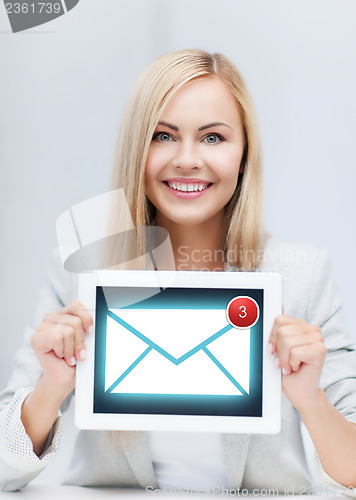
<point x="203" y="127"/>
<point x="213" y="124"/>
<point x="169" y="125"/>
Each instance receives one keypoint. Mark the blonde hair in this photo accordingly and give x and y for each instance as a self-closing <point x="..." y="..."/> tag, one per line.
<point x="154" y="88"/>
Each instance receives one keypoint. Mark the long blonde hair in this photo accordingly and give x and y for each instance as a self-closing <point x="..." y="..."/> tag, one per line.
<point x="154" y="88"/>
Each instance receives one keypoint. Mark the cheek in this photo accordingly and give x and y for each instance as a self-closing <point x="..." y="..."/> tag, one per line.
<point x="229" y="171"/>
<point x="150" y="165"/>
<point x="156" y="161"/>
<point x="235" y="163"/>
<point x="151" y="170"/>
<point x="227" y="163"/>
<point x="154" y="166"/>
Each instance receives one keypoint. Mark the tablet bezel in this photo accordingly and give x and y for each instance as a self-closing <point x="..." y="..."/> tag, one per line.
<point x="270" y="283"/>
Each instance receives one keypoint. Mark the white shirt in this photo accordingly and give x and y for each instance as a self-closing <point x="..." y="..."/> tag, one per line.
<point x="188" y="460"/>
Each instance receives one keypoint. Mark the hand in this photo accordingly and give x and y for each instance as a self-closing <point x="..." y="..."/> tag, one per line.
<point x="299" y="351"/>
<point x="59" y="342"/>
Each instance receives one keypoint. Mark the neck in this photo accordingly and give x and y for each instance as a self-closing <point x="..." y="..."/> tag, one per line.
<point x="197" y="247"/>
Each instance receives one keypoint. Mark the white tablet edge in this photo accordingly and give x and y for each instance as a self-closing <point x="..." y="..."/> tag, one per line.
<point x="270" y="421"/>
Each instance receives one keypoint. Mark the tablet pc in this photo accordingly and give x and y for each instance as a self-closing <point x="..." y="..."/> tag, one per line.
<point x="179" y="351"/>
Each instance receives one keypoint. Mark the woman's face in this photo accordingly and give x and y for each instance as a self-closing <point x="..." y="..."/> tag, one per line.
<point x="195" y="154"/>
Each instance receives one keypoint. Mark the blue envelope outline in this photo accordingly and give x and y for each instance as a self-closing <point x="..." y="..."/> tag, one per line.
<point x="152" y="345"/>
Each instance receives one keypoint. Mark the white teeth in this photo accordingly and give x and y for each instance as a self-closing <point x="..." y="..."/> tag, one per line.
<point x="180" y="186"/>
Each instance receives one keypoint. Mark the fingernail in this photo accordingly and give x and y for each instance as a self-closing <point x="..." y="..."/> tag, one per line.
<point x="270" y="347"/>
<point x="284" y="371"/>
<point x="73" y="361"/>
<point x="82" y="354"/>
<point x="276" y="362"/>
<point x="91" y="329"/>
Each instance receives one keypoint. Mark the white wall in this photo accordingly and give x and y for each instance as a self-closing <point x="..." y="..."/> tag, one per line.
<point x="62" y="90"/>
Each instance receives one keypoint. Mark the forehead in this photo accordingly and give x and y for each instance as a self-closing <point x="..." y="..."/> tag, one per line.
<point x="205" y="97"/>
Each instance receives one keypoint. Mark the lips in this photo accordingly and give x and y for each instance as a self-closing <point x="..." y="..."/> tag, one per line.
<point x="187" y="188"/>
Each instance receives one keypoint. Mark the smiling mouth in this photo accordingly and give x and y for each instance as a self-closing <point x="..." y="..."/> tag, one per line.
<point x="188" y="187"/>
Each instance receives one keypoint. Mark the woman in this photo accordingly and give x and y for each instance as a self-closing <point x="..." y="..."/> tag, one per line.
<point x="188" y="158"/>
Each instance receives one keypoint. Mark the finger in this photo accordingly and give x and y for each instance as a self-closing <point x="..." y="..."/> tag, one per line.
<point x="287" y="343"/>
<point x="64" y="335"/>
<point x="57" y="341"/>
<point x="312" y="355"/>
<point x="76" y="324"/>
<point x="76" y="337"/>
<point x="282" y="320"/>
<point x="78" y="309"/>
<point x="68" y="332"/>
<point x="63" y="343"/>
<point x="48" y="338"/>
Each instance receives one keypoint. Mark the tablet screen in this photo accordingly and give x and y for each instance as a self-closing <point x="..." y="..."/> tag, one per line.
<point x="181" y="351"/>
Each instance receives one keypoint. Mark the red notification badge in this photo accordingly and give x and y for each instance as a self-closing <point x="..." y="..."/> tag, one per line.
<point x="242" y="312"/>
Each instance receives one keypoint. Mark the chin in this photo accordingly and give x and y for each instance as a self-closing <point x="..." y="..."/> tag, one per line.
<point x="188" y="221"/>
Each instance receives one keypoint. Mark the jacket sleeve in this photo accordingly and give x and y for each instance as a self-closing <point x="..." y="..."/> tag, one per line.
<point x="338" y="378"/>
<point x="18" y="462"/>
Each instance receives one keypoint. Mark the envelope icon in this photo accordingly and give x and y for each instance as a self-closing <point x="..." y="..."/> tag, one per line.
<point x="175" y="352"/>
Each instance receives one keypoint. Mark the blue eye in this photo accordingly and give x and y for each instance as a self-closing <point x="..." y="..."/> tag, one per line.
<point x="213" y="138"/>
<point x="161" y="137"/>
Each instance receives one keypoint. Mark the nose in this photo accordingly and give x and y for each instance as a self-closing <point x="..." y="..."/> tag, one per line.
<point x="188" y="157"/>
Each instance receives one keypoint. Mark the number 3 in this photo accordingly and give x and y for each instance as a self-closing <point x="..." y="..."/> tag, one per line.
<point x="243" y="311"/>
